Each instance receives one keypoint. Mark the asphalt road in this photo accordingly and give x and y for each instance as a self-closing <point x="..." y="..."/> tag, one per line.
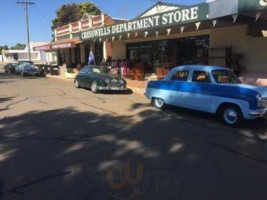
<point x="58" y="142"/>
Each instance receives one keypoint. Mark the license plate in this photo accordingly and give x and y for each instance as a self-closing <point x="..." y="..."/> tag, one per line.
<point x="115" y="88"/>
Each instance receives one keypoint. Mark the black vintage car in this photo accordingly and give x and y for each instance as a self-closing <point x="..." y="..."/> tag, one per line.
<point x="10" y="68"/>
<point x="94" y="78"/>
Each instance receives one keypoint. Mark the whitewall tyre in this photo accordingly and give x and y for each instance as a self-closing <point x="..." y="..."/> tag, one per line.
<point x="159" y="103"/>
<point x="94" y="86"/>
<point x="232" y="116"/>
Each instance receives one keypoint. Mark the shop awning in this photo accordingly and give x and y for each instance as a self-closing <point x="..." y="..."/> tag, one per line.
<point x="169" y="18"/>
<point x="62" y="44"/>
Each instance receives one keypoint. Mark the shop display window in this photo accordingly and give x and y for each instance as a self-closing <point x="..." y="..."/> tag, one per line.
<point x="170" y="53"/>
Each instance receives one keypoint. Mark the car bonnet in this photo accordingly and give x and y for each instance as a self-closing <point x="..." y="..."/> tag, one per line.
<point x="260" y="89"/>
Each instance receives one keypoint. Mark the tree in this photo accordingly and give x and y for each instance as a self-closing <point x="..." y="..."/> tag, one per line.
<point x="5" y="47"/>
<point x="19" y="46"/>
<point x="73" y="12"/>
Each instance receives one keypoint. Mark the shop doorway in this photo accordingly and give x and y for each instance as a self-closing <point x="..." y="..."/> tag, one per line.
<point x="98" y="52"/>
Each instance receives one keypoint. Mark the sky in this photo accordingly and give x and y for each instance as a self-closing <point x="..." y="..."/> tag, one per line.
<point x="12" y="21"/>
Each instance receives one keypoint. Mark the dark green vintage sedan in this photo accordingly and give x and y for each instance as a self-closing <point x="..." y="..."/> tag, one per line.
<point x="94" y="78"/>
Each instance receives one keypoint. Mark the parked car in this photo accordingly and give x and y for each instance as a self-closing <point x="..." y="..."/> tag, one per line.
<point x="93" y="78"/>
<point x="29" y="69"/>
<point x="25" y="62"/>
<point x="10" y="68"/>
<point x="210" y="89"/>
<point x="19" y="67"/>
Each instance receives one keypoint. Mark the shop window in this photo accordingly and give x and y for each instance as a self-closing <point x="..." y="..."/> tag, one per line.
<point x="201" y="77"/>
<point x="180" y="76"/>
<point x="170" y="53"/>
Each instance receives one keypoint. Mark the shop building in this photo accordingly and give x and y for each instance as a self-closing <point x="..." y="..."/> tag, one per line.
<point x="70" y="50"/>
<point x="37" y="56"/>
<point x="231" y="33"/>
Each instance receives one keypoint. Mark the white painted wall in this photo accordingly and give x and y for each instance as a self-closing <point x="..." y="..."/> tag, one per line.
<point x="254" y="49"/>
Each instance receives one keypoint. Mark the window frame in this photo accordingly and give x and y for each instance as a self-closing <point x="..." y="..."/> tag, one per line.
<point x="187" y="79"/>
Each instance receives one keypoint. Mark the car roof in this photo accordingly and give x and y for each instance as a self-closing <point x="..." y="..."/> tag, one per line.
<point x="201" y="67"/>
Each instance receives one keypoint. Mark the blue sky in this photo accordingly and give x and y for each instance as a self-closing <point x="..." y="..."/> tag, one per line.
<point x="12" y="24"/>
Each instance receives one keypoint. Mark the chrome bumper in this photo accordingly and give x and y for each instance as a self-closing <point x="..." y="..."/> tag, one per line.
<point x="112" y="88"/>
<point x="258" y="113"/>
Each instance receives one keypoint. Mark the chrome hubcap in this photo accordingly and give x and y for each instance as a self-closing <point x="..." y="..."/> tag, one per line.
<point x="159" y="102"/>
<point x="230" y="116"/>
<point x="94" y="87"/>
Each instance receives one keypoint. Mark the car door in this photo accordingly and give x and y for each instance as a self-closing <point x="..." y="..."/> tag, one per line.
<point x="177" y="84"/>
<point x="198" y="93"/>
<point x="82" y="76"/>
<point x="88" y="78"/>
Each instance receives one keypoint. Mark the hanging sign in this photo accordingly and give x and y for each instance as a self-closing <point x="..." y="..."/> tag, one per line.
<point x="49" y="47"/>
<point x="176" y="17"/>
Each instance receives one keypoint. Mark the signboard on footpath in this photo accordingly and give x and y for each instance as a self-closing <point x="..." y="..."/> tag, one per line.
<point x="50" y="47"/>
<point x="181" y="16"/>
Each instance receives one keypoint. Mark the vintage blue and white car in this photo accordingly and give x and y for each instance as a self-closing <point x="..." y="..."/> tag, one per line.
<point x="210" y="89"/>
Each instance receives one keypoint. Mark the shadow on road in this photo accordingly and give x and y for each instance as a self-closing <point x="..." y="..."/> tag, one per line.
<point x="66" y="154"/>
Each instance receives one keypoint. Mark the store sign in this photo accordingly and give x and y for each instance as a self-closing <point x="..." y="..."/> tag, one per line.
<point x="64" y="45"/>
<point x="49" y="47"/>
<point x="167" y="19"/>
<point x="252" y="5"/>
<point x="42" y="48"/>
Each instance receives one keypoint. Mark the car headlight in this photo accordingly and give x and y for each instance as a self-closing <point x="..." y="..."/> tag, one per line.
<point x="260" y="101"/>
<point x="107" y="81"/>
<point x="121" y="81"/>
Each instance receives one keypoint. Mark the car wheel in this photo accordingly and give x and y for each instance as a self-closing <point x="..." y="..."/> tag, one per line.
<point x="77" y="85"/>
<point x="232" y="116"/>
<point x="94" y="87"/>
<point x="159" y="103"/>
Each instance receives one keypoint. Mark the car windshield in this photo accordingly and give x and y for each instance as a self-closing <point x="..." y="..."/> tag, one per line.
<point x="96" y="70"/>
<point x="28" y="67"/>
<point x="225" y="76"/>
<point x="25" y="62"/>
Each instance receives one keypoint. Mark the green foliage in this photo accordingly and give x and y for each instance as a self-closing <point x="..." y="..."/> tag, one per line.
<point x="5" y="47"/>
<point x="19" y="46"/>
<point x="70" y="70"/>
<point x="73" y="12"/>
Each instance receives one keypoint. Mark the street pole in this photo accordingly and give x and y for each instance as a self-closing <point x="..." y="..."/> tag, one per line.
<point x="25" y="4"/>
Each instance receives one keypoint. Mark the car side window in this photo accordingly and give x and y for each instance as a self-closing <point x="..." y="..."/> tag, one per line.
<point x="180" y="76"/>
<point x="201" y="77"/>
<point x="84" y="70"/>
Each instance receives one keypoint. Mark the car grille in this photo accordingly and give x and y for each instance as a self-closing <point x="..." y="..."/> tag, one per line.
<point x="114" y="85"/>
<point x="264" y="101"/>
<point x="114" y="81"/>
